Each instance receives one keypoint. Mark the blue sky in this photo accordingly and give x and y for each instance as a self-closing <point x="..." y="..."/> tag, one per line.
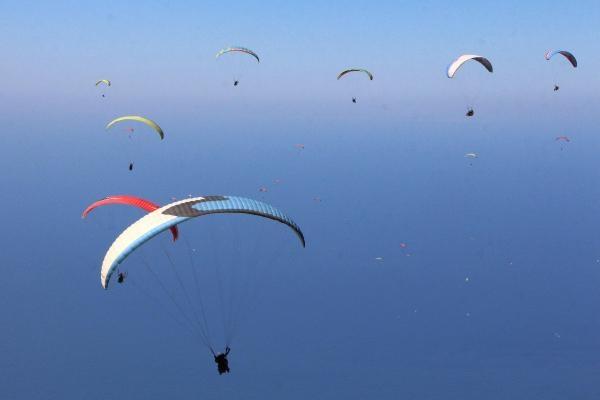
<point x="330" y="321"/>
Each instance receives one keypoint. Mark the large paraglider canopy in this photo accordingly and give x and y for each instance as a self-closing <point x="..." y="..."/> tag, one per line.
<point x="105" y="81"/>
<point x="347" y="71"/>
<point x="569" y="56"/>
<point x="134" y="201"/>
<point x="137" y="118"/>
<point x="456" y="64"/>
<point x="238" y="49"/>
<point x="175" y="213"/>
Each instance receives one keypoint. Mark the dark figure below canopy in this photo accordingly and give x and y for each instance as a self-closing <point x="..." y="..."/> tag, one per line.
<point x="235" y="83"/>
<point x="470" y="112"/>
<point x="131" y="166"/>
<point x="222" y="362"/>
<point x="354" y="100"/>
<point x="556" y="87"/>
<point x="121" y="277"/>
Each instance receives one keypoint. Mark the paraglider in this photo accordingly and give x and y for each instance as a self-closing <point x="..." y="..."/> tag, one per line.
<point x="135" y="201"/>
<point x="177" y="212"/>
<point x="471" y="156"/>
<point x="460" y="61"/>
<point x="353" y="70"/>
<point x="562" y="139"/>
<point x="137" y="118"/>
<point x="105" y="82"/>
<point x="237" y="49"/>
<point x="222" y="361"/>
<point x="170" y="216"/>
<point x="567" y="55"/>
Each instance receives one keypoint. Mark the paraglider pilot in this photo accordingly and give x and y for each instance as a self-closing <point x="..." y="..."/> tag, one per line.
<point x="131" y="166"/>
<point x="222" y="362"/>
<point x="354" y="99"/>
<point x="556" y="87"/>
<point x="121" y="277"/>
<point x="235" y="83"/>
<point x="470" y="112"/>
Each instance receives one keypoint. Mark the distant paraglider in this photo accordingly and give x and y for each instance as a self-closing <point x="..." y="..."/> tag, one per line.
<point x="471" y="156"/>
<point x="562" y="139"/>
<point x="353" y="70"/>
<point x="137" y="118"/>
<point x="460" y="61"/>
<point x="105" y="82"/>
<point x="567" y="55"/>
<point x="237" y="49"/>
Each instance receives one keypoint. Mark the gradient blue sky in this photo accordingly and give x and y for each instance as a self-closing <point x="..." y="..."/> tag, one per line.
<point x="330" y="322"/>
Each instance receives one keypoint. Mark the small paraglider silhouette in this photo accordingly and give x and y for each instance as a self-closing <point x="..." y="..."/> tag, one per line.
<point x="562" y="139"/>
<point x="131" y="166"/>
<point x="235" y="83"/>
<point x="471" y="156"/>
<point x="355" y="70"/>
<point x="470" y="112"/>
<point x="263" y="189"/>
<point x="556" y="88"/>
